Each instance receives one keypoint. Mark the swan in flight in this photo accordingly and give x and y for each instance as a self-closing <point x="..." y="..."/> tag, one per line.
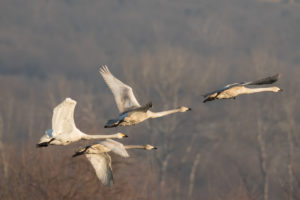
<point x="131" y="112"/>
<point x="232" y="90"/>
<point x="64" y="130"/>
<point x="98" y="156"/>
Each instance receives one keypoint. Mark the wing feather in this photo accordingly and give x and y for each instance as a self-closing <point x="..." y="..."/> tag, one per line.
<point x="123" y="93"/>
<point x="102" y="166"/>
<point x="221" y="90"/>
<point x="267" y="80"/>
<point x="116" y="147"/>
<point x="63" y="117"/>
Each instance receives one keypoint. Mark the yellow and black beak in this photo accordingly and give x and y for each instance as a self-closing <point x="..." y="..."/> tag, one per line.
<point x="123" y="135"/>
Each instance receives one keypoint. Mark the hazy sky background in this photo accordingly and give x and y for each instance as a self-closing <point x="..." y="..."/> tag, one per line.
<point x="39" y="38"/>
<point x="170" y="52"/>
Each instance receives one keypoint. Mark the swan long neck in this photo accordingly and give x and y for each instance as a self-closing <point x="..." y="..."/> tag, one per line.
<point x="163" y="113"/>
<point x="135" y="147"/>
<point x="256" y="90"/>
<point x="89" y="137"/>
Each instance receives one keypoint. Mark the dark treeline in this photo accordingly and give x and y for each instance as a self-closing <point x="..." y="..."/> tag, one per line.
<point x="170" y="52"/>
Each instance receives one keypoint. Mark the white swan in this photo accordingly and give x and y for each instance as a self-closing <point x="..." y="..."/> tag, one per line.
<point x="232" y="90"/>
<point x="98" y="156"/>
<point x="64" y="130"/>
<point x="131" y="112"/>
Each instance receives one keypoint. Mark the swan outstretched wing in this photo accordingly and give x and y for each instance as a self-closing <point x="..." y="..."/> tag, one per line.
<point x="102" y="165"/>
<point x="116" y="147"/>
<point x="63" y="117"/>
<point x="123" y="93"/>
<point x="267" y="80"/>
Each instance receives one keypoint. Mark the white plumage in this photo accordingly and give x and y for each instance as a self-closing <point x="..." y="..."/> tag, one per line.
<point x="123" y="93"/>
<point x="64" y="130"/>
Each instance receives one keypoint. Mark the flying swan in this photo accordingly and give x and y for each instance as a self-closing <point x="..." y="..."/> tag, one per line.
<point x="98" y="156"/>
<point x="64" y="130"/>
<point x="233" y="90"/>
<point x="131" y="112"/>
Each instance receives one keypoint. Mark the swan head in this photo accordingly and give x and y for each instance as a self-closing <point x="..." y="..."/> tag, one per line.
<point x="149" y="147"/>
<point x="277" y="89"/>
<point x="121" y="135"/>
<point x="69" y="100"/>
<point x="184" y="109"/>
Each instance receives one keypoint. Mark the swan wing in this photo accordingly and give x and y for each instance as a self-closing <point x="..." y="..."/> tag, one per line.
<point x="221" y="90"/>
<point x="63" y="117"/>
<point x="102" y="166"/>
<point x="123" y="93"/>
<point x="267" y="80"/>
<point x="116" y="147"/>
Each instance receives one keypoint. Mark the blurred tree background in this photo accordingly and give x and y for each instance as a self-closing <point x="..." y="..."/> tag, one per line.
<point x="170" y="52"/>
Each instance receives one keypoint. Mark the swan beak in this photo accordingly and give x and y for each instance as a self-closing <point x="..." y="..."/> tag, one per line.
<point x="154" y="147"/>
<point x="189" y="109"/>
<point x="124" y="136"/>
<point x="280" y="90"/>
